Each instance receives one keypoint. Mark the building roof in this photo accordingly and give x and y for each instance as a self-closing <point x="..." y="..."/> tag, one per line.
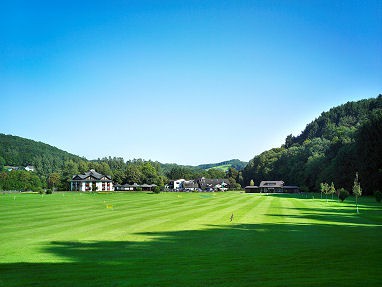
<point x="190" y="184"/>
<point x="213" y="181"/>
<point x="92" y="175"/>
<point x="148" y="185"/>
<point x="272" y="183"/>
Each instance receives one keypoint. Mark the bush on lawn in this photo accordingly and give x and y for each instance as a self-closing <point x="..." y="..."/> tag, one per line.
<point x="343" y="193"/>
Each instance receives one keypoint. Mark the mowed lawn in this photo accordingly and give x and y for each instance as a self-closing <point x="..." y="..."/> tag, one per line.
<point x="188" y="239"/>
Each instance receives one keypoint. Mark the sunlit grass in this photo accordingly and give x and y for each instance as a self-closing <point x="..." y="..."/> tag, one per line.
<point x="188" y="239"/>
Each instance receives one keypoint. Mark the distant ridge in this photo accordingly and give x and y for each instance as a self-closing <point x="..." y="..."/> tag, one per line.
<point x="18" y="151"/>
<point x="224" y="165"/>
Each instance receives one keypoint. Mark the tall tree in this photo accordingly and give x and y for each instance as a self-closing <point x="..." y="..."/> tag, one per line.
<point x="69" y="170"/>
<point x="357" y="190"/>
<point x="54" y="179"/>
<point x="332" y="189"/>
<point x="324" y="189"/>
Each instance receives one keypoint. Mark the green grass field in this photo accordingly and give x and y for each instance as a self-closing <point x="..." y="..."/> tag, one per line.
<point x="187" y="239"/>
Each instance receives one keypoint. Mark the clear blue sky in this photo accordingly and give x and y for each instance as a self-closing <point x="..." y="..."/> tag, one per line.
<point x="188" y="82"/>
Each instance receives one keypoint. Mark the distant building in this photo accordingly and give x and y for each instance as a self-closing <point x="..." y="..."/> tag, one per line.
<point x="148" y="187"/>
<point x="134" y="187"/>
<point x="10" y="168"/>
<point x="190" y="185"/>
<point x="176" y="184"/>
<point x="91" y="181"/>
<point x="212" y="184"/>
<point x="27" y="168"/>
<point x="273" y="186"/>
<point x="201" y="184"/>
<point x="30" y="168"/>
<point x="125" y="187"/>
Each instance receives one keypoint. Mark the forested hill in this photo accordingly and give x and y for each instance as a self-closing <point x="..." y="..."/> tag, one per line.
<point x="332" y="148"/>
<point x="18" y="151"/>
<point x="234" y="163"/>
<point x="331" y="123"/>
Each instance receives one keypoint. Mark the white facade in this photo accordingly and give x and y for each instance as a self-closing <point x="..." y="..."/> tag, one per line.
<point x="29" y="168"/>
<point x="178" y="183"/>
<point x="88" y="186"/>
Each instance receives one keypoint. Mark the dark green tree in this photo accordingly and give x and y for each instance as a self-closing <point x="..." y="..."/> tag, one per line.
<point x="54" y="179"/>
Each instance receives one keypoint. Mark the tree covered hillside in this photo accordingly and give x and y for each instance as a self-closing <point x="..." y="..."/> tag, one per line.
<point x="18" y="151"/>
<point x="332" y="148"/>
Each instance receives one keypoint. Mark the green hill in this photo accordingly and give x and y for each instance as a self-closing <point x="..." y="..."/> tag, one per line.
<point x="18" y="151"/>
<point x="332" y="148"/>
<point x="225" y="165"/>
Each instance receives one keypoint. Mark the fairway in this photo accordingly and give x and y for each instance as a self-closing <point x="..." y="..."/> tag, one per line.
<point x="188" y="239"/>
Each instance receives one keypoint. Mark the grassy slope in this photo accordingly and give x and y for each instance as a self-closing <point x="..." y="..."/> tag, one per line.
<point x="222" y="167"/>
<point x="174" y="239"/>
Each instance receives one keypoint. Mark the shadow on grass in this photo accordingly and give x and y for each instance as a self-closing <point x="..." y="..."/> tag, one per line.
<point x="227" y="255"/>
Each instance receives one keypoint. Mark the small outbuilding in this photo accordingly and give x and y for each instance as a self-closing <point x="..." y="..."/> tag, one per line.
<point x="271" y="186"/>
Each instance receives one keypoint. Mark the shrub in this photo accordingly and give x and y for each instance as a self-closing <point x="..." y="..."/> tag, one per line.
<point x="138" y="188"/>
<point x="156" y="189"/>
<point x="378" y="196"/>
<point x="48" y="191"/>
<point x="342" y="194"/>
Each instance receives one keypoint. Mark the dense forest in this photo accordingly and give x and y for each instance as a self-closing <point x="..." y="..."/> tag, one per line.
<point x="54" y="167"/>
<point x="332" y="148"/>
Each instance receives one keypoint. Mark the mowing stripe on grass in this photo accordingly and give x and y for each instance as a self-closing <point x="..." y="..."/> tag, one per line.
<point x="175" y="239"/>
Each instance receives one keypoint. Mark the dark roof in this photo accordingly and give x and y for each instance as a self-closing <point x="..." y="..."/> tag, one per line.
<point x="213" y="181"/>
<point x="148" y="185"/>
<point x="272" y="183"/>
<point x="91" y="175"/>
<point x="190" y="184"/>
<point x="251" y="187"/>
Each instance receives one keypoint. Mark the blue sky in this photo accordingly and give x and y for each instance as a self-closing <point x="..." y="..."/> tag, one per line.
<point x="188" y="82"/>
